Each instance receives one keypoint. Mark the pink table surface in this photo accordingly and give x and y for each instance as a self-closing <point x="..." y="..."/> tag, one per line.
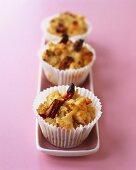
<point x="113" y="37"/>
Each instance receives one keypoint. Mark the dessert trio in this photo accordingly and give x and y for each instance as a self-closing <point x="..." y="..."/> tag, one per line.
<point x="66" y="113"/>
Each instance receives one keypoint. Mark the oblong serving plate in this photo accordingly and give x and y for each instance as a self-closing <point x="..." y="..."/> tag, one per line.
<point x="89" y="146"/>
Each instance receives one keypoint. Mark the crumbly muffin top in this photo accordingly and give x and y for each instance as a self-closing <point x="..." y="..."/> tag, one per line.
<point x="67" y="54"/>
<point x="67" y="23"/>
<point x="68" y="110"/>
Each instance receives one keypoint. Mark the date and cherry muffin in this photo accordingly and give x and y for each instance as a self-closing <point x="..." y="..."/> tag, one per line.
<point x="67" y="61"/>
<point x="68" y="110"/>
<point x="66" y="114"/>
<point x="76" y="26"/>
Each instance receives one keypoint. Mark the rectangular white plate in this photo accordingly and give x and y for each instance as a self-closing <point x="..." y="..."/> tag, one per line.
<point x="89" y="146"/>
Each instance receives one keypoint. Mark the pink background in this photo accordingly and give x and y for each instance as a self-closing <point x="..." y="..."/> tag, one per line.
<point x="113" y="37"/>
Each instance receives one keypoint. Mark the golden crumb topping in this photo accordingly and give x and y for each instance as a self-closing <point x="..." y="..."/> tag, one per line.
<point x="67" y="110"/>
<point x="67" y="54"/>
<point x="67" y="23"/>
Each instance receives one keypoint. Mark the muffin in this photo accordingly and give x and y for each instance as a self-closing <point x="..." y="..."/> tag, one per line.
<point x="67" y="61"/>
<point x="66" y="114"/>
<point x="76" y="26"/>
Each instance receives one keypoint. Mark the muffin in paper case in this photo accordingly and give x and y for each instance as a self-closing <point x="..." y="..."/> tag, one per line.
<point x="66" y="138"/>
<point x="51" y="37"/>
<point x="68" y="76"/>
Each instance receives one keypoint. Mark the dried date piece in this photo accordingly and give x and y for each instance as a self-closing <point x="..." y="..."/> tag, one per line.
<point x="60" y="24"/>
<point x="75" y="23"/>
<point x="60" y="28"/>
<point x="56" y="104"/>
<point x="65" y="63"/>
<point x="64" y="39"/>
<point x="54" y="108"/>
<point x="70" y="92"/>
<point x="78" y="45"/>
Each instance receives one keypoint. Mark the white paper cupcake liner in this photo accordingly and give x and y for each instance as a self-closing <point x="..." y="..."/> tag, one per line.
<point x="66" y="138"/>
<point x="66" y="77"/>
<point x="51" y="37"/>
